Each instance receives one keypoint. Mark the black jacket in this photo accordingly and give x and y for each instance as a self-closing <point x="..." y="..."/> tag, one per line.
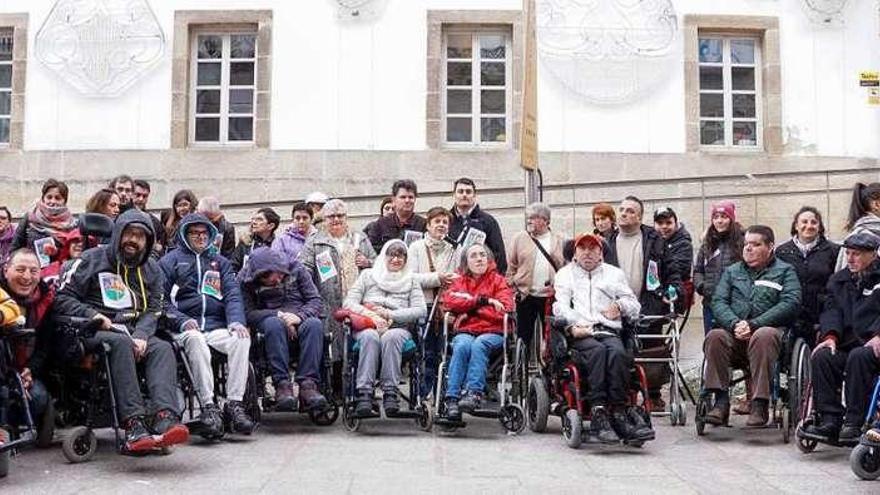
<point x="227" y="244"/>
<point x="852" y="308"/>
<point x="653" y="249"/>
<point x="81" y="295"/>
<point x="709" y="266"/>
<point x="245" y="247"/>
<point x="387" y="228"/>
<point x="478" y="219"/>
<point x="813" y="272"/>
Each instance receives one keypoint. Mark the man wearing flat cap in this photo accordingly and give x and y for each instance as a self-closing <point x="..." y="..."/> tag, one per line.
<point x="849" y="343"/>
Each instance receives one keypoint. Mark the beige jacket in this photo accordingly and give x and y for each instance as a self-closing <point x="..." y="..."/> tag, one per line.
<point x="521" y="259"/>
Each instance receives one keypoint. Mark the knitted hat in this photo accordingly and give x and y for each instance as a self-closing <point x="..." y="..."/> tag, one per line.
<point x="726" y="207"/>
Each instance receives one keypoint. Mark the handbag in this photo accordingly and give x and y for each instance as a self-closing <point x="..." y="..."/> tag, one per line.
<point x="357" y="321"/>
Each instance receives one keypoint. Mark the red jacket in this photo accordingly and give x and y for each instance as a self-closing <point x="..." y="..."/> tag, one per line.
<point x="464" y="297"/>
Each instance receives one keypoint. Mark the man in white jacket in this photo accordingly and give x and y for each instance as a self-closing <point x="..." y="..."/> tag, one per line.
<point x="592" y="299"/>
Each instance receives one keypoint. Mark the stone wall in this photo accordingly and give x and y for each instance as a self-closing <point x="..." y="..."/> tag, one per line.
<point x="767" y="189"/>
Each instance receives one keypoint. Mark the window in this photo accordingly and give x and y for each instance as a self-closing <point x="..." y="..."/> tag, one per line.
<point x="476" y="96"/>
<point x="224" y="88"/>
<point x="5" y="86"/>
<point x="730" y="101"/>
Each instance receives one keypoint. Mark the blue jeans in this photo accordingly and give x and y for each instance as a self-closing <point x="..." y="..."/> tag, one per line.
<point x="310" y="334"/>
<point x="470" y="360"/>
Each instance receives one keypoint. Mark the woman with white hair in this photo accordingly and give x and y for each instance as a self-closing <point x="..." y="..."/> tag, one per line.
<point x="335" y="256"/>
<point x="209" y="206"/>
<point x="534" y="257"/>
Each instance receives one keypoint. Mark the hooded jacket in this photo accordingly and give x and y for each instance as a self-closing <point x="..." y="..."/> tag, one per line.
<point x="291" y="242"/>
<point x="206" y="287"/>
<point x="81" y="293"/>
<point x="468" y="295"/>
<point x="852" y="309"/>
<point x="296" y="294"/>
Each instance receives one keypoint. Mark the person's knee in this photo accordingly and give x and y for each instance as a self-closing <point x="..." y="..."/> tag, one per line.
<point x="716" y="338"/>
<point x="862" y="355"/>
<point x="273" y="326"/>
<point x="765" y="335"/>
<point x="368" y="337"/>
<point x="311" y="328"/>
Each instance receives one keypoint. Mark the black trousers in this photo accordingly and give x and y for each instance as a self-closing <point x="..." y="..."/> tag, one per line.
<point x="605" y="363"/>
<point x="860" y="368"/>
<point x="528" y="310"/>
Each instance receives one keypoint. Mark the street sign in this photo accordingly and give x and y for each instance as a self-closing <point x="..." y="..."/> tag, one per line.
<point x="528" y="139"/>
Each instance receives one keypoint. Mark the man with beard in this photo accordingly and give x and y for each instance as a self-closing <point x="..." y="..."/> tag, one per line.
<point x="119" y="279"/>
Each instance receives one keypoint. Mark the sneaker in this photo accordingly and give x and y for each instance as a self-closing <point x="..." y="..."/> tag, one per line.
<point x="621" y="424"/>
<point x="284" y="399"/>
<point x="471" y="402"/>
<point x="311" y="397"/>
<point x="850" y="433"/>
<point x="390" y="402"/>
<point x="453" y="413"/>
<point x="601" y="426"/>
<point x="238" y="418"/>
<point x="212" y="421"/>
<point x="364" y="405"/>
<point x="167" y="426"/>
<point x="759" y="414"/>
<point x="137" y="437"/>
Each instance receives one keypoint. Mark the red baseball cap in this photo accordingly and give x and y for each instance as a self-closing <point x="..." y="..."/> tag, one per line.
<point x="588" y="240"/>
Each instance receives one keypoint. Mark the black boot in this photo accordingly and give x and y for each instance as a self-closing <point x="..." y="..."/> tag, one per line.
<point x="364" y="406"/>
<point x="600" y="426"/>
<point x="238" y="418"/>
<point x="453" y="413"/>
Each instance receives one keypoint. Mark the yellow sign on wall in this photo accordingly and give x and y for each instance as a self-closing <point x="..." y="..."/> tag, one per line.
<point x="869" y="78"/>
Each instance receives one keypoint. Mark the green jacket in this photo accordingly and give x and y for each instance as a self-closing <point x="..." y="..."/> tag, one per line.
<point x="770" y="297"/>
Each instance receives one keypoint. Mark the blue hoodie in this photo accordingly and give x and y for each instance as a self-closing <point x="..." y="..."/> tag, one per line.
<point x="206" y="287"/>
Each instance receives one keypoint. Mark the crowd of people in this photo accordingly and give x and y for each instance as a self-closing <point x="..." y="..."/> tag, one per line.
<point x="186" y="277"/>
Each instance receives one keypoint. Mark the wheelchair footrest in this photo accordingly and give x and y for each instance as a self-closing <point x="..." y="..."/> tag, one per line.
<point x="403" y="415"/>
<point x="16" y="444"/>
<point x="443" y="421"/>
<point x="484" y="413"/>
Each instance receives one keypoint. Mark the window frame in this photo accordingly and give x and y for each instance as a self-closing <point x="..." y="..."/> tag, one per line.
<point x="728" y="92"/>
<point x="10" y="32"/>
<point x="476" y="87"/>
<point x="225" y="87"/>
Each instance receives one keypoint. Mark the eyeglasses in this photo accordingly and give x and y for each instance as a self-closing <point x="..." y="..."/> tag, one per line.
<point x="197" y="233"/>
<point x="336" y="215"/>
<point x="395" y="256"/>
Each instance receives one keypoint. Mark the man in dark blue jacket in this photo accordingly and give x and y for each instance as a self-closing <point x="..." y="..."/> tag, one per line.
<point x="203" y="295"/>
<point x="282" y="302"/>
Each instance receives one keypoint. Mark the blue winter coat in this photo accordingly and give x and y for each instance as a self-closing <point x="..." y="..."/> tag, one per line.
<point x="214" y="305"/>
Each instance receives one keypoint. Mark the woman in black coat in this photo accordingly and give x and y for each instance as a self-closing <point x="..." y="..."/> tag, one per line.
<point x="813" y="257"/>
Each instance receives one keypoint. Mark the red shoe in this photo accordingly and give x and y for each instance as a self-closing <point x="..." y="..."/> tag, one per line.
<point x="138" y="439"/>
<point x="168" y="429"/>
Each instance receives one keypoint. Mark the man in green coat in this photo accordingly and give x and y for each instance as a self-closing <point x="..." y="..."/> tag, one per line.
<point x="754" y="299"/>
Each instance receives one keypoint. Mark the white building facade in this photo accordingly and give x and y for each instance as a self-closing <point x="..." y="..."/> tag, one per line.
<point x="680" y="102"/>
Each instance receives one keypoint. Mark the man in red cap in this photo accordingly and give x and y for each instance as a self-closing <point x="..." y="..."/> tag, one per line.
<point x="592" y="298"/>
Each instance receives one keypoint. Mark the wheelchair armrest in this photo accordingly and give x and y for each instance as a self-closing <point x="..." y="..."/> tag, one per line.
<point x="78" y="322"/>
<point x="16" y="332"/>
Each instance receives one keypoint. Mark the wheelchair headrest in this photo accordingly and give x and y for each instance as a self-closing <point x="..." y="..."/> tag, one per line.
<point x="95" y="224"/>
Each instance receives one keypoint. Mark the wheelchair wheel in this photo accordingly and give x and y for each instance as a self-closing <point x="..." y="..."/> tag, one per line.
<point x="251" y="398"/>
<point x="4" y="456"/>
<point x="786" y="424"/>
<point x="700" y="415"/>
<point x="350" y="422"/>
<point x="682" y="413"/>
<point x="806" y="445"/>
<point x="326" y="417"/>
<point x="799" y="377"/>
<point x="425" y="419"/>
<point x="79" y="445"/>
<point x="865" y="462"/>
<point x="512" y="418"/>
<point x="46" y="427"/>
<point x="572" y="428"/>
<point x="538" y="405"/>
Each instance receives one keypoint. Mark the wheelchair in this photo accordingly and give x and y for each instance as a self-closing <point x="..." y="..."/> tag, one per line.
<point x="25" y="430"/>
<point x="264" y="395"/>
<point x="559" y="389"/>
<point x="503" y="381"/>
<point x="788" y="385"/>
<point x="412" y="365"/>
<point x="864" y="460"/>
